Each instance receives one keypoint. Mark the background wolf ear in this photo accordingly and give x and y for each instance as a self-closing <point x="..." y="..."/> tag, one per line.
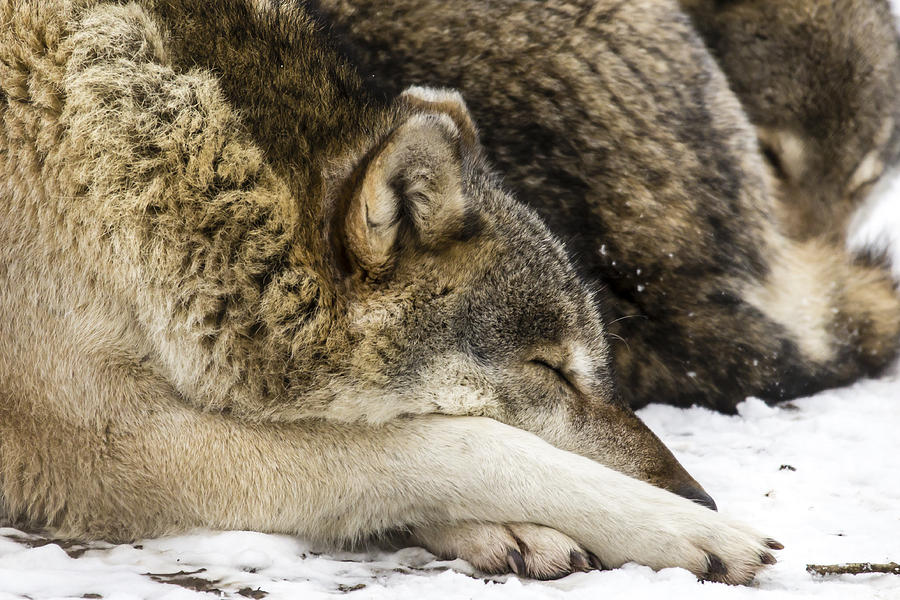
<point x="411" y="193"/>
<point x="448" y="102"/>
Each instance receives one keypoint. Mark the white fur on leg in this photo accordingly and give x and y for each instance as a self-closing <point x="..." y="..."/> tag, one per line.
<point x="502" y="474"/>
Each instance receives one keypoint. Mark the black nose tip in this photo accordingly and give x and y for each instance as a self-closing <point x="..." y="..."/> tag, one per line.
<point x="697" y="495"/>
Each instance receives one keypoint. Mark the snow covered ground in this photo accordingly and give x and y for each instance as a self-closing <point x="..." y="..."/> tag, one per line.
<point x="820" y="474"/>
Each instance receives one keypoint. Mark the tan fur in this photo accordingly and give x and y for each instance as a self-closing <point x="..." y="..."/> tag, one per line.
<point x="798" y="295"/>
<point x="806" y="290"/>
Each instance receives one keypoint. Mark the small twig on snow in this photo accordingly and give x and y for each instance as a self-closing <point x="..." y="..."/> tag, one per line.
<point x="855" y="569"/>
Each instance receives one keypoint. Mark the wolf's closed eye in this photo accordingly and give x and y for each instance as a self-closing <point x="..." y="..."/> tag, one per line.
<point x="557" y="371"/>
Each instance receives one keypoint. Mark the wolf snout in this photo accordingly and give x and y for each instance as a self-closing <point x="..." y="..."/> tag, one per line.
<point x="697" y="495"/>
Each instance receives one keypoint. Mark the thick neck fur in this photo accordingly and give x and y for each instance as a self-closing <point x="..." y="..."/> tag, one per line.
<point x="202" y="185"/>
<point x="303" y="103"/>
<point x="301" y="100"/>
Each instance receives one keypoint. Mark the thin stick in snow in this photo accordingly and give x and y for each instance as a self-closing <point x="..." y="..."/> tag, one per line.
<point x="854" y="568"/>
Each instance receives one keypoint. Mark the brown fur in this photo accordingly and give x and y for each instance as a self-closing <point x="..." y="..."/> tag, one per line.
<point x="820" y="80"/>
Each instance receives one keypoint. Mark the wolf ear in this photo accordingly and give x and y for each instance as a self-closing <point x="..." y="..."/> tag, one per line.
<point x="448" y="102"/>
<point x="411" y="192"/>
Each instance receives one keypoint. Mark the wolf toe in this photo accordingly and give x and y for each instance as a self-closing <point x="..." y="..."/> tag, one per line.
<point x="549" y="554"/>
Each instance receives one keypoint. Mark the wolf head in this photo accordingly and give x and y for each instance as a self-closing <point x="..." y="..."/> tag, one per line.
<point x="820" y="81"/>
<point x="460" y="301"/>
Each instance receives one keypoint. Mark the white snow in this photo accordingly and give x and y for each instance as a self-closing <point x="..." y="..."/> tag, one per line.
<point x="820" y="474"/>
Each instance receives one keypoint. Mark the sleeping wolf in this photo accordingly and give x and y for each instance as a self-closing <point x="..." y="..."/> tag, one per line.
<point x="612" y="120"/>
<point x="820" y="81"/>
<point x="239" y="289"/>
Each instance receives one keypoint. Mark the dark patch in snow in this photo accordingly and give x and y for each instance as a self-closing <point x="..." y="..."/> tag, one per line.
<point x="187" y="580"/>
<point x="74" y="548"/>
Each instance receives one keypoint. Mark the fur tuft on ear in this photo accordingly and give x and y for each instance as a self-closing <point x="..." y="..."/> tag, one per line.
<point x="447" y="101"/>
<point x="411" y="189"/>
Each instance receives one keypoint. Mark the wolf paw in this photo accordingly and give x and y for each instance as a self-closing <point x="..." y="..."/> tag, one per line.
<point x="525" y="549"/>
<point x="734" y="554"/>
<point x="712" y="547"/>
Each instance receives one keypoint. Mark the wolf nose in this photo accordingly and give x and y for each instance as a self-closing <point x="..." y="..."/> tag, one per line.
<point x="697" y="495"/>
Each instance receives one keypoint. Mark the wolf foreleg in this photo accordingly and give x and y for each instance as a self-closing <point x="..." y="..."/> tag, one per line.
<point x="173" y="468"/>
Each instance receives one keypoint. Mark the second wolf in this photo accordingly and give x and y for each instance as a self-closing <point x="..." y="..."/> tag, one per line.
<point x="616" y="124"/>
